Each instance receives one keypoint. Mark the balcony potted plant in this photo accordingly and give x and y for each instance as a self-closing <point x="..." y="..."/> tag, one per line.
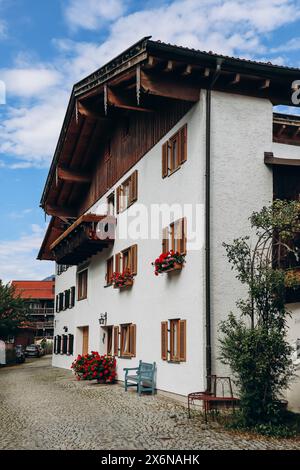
<point x="292" y="277"/>
<point x="167" y="262"/>
<point x="122" y="280"/>
<point x="95" y="367"/>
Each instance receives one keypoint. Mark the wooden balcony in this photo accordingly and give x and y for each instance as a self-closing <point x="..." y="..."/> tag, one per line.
<point x="83" y="239"/>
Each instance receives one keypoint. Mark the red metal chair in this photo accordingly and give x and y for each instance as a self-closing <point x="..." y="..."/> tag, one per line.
<point x="211" y="398"/>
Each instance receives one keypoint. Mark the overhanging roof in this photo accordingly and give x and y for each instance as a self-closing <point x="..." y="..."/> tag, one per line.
<point x="83" y="126"/>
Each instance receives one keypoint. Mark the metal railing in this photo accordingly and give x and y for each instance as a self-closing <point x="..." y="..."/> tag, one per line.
<point x="41" y="311"/>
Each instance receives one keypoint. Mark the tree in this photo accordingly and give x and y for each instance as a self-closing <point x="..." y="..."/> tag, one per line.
<point x="254" y="343"/>
<point x="12" y="310"/>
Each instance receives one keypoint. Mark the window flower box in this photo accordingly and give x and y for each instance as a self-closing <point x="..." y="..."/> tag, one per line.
<point x="122" y="280"/>
<point x="168" y="262"/>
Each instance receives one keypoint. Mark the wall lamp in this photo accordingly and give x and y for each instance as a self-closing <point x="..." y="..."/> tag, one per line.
<point x="103" y="318"/>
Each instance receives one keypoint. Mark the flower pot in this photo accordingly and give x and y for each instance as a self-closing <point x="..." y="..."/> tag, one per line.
<point x="128" y="283"/>
<point x="175" y="267"/>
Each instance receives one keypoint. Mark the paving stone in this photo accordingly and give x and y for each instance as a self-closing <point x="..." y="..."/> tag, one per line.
<point x="46" y="408"/>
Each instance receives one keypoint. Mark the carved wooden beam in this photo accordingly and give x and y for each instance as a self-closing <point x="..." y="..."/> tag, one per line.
<point x="188" y="70"/>
<point x="118" y="100"/>
<point x="169" y="88"/>
<point x="66" y="212"/>
<point x="72" y="176"/>
<point x="169" y="67"/>
<point x="86" y="112"/>
<point x="265" y="84"/>
<point x="236" y="79"/>
<point x="281" y="130"/>
<point x="297" y="132"/>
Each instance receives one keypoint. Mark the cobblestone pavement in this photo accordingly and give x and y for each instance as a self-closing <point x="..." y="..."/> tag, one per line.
<point x="46" y="408"/>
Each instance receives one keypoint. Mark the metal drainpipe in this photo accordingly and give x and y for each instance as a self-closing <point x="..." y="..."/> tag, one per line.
<point x="207" y="225"/>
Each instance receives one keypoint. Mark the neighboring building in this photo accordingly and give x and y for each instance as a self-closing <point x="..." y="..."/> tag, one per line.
<point x="39" y="296"/>
<point x="163" y="125"/>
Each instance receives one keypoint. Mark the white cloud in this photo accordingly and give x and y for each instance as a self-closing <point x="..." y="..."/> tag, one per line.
<point x="17" y="257"/>
<point x="91" y="14"/>
<point x="291" y="45"/>
<point x="29" y="132"/>
<point x="29" y="82"/>
<point x="19" y="215"/>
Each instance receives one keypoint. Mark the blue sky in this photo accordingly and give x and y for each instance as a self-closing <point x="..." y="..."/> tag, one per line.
<point x="46" y="46"/>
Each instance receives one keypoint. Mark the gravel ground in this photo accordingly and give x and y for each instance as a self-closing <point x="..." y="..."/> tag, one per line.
<point x="42" y="407"/>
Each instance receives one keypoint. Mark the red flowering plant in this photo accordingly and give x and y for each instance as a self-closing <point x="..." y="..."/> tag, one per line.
<point x="167" y="261"/>
<point x="122" y="279"/>
<point x="95" y="367"/>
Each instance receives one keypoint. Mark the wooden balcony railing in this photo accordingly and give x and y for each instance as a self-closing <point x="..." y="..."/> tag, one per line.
<point x="83" y="239"/>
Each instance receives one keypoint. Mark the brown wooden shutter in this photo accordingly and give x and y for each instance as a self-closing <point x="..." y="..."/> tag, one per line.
<point x="133" y="187"/>
<point x="164" y="340"/>
<point x="181" y="229"/>
<point x="183" y="144"/>
<point x="182" y="340"/>
<point x="132" y="339"/>
<point x="119" y="192"/>
<point x="116" y="341"/>
<point x="165" y="162"/>
<point x="118" y="262"/>
<point x="165" y="240"/>
<point x="55" y="345"/>
<point x="133" y="258"/>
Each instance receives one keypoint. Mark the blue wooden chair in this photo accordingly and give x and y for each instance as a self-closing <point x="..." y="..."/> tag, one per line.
<point x="143" y="379"/>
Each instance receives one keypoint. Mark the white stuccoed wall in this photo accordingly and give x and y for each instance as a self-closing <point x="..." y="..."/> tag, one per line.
<point x="241" y="184"/>
<point x="151" y="299"/>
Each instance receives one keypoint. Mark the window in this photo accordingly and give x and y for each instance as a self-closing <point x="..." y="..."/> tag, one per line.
<point x="64" y="344"/>
<point x="127" y="259"/>
<point x="127" y="192"/>
<point x="174" y="237"/>
<point x="57" y="303"/>
<point x="109" y="270"/>
<point x="173" y="340"/>
<point x="124" y="340"/>
<point x="72" y="296"/>
<point x="70" y="346"/>
<point x="109" y="343"/>
<point x="61" y="301"/>
<point x="174" y="152"/>
<point x="128" y="340"/>
<point x="82" y="284"/>
<point x="111" y="204"/>
<point x="61" y="268"/>
<point x="58" y="348"/>
<point x="67" y="299"/>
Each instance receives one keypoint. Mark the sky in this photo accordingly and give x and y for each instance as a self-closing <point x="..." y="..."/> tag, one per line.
<point x="47" y="46"/>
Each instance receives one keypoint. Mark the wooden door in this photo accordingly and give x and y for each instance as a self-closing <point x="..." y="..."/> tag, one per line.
<point x="85" y="340"/>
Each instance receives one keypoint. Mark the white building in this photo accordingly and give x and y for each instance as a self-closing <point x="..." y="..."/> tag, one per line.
<point x="164" y="126"/>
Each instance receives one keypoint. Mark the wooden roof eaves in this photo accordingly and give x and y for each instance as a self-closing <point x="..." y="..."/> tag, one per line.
<point x="278" y="161"/>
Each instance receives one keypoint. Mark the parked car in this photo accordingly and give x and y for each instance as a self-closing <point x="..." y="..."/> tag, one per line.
<point x="33" y="351"/>
<point x="20" y="354"/>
